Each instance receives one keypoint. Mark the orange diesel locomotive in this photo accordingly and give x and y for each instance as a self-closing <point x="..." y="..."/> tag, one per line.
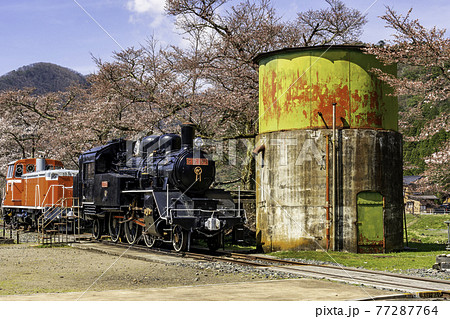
<point x="33" y="186"/>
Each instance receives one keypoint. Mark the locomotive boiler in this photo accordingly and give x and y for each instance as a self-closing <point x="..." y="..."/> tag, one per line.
<point x="156" y="189"/>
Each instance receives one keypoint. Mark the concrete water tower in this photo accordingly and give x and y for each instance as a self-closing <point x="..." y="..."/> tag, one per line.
<point x="319" y="187"/>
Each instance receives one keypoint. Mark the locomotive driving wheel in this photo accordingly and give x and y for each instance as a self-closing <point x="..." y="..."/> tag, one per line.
<point x="96" y="229"/>
<point x="149" y="240"/>
<point x="115" y="228"/>
<point x="131" y="230"/>
<point x="179" y="238"/>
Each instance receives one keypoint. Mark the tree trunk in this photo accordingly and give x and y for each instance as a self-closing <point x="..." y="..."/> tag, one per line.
<point x="248" y="170"/>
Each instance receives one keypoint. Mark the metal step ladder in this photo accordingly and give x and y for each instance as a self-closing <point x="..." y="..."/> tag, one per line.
<point x="59" y="224"/>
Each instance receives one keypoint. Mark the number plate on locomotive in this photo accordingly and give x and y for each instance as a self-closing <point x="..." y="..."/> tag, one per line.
<point x="196" y="161"/>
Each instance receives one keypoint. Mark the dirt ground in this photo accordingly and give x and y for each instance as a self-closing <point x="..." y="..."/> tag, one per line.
<point x="28" y="272"/>
<point x="27" y="269"/>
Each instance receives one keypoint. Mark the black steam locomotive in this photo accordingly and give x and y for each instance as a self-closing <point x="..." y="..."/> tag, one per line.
<point x="157" y="189"/>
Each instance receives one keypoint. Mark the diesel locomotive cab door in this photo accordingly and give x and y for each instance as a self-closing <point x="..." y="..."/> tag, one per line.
<point x="370" y="209"/>
<point x="88" y="182"/>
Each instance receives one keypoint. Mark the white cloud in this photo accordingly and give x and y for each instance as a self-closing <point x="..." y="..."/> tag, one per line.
<point x="146" y="6"/>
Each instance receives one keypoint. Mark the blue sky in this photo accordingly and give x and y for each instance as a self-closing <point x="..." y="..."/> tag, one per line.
<point x="64" y="31"/>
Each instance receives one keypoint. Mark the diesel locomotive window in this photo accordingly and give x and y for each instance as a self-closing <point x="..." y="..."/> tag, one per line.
<point x="88" y="171"/>
<point x="30" y="168"/>
<point x="10" y="171"/>
<point x="19" y="170"/>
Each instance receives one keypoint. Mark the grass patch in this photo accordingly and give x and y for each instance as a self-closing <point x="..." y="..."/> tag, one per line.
<point x="391" y="262"/>
<point x="427" y="236"/>
<point x="58" y="245"/>
<point x="427" y="229"/>
<point x="239" y="248"/>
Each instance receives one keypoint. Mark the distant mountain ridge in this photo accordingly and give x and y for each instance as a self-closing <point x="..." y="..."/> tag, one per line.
<point x="45" y="77"/>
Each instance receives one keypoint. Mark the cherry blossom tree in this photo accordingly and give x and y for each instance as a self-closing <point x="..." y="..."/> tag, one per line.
<point x="29" y="123"/>
<point x="224" y="39"/>
<point x="416" y="45"/>
<point x="427" y="50"/>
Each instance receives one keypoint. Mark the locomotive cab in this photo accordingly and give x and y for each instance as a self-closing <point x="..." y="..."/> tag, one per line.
<point x="103" y="174"/>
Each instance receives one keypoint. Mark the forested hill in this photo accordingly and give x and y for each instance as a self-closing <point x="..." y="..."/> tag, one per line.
<point x="426" y="132"/>
<point x="45" y="77"/>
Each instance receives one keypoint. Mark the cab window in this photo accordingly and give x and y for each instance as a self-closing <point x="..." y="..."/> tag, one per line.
<point x="88" y="171"/>
<point x="19" y="170"/>
<point x="10" y="171"/>
<point x="30" y="168"/>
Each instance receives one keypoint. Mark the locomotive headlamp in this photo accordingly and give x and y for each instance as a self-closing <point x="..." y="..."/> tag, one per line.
<point x="198" y="142"/>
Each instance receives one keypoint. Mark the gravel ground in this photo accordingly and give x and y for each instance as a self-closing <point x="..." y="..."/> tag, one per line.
<point x="230" y="268"/>
<point x="29" y="269"/>
<point x="433" y="273"/>
<point x="24" y="237"/>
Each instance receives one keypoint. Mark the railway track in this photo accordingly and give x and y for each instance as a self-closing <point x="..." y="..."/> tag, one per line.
<point x="363" y="277"/>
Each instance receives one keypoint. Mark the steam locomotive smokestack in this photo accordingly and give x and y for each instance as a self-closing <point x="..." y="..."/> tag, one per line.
<point x="187" y="135"/>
